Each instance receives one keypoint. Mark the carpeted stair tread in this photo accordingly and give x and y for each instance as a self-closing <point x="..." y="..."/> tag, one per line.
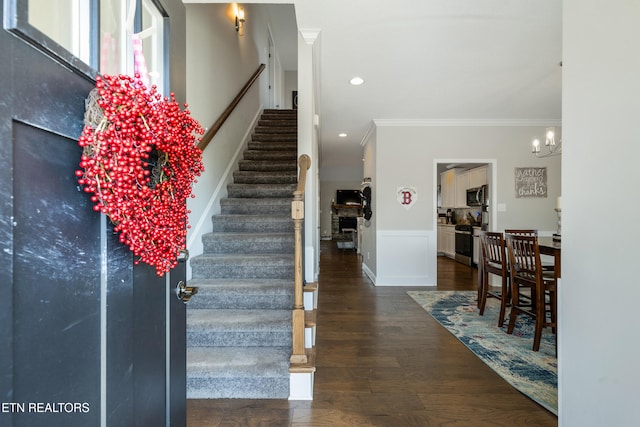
<point x="280" y="113"/>
<point x="240" y="320"/>
<point x="241" y="266"/>
<point x="277" y="121"/>
<point x="267" y="146"/>
<point x="254" y="206"/>
<point x="243" y="293"/>
<point x="261" y="190"/>
<point x="272" y="146"/>
<point x="270" y="155"/>
<point x="252" y="223"/>
<point x="238" y="327"/>
<point x="280" y="137"/>
<point x="251" y="260"/>
<point x="255" y="177"/>
<point x="268" y="165"/>
<point x="217" y="243"/>
<point x="275" y="129"/>
<point x="238" y="361"/>
<point x="245" y="372"/>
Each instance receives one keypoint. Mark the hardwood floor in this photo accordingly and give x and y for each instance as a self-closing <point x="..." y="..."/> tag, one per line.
<point x="383" y="361"/>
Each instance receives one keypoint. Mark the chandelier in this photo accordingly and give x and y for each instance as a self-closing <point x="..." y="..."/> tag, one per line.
<point x="551" y="148"/>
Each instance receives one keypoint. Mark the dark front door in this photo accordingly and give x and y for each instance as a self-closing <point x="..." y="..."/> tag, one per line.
<point x="86" y="338"/>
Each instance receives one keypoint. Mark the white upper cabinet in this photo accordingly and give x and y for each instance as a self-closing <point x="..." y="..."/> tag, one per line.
<point x="478" y="177"/>
<point x="462" y="183"/>
<point x="455" y="182"/>
<point x="453" y="188"/>
<point x="448" y="188"/>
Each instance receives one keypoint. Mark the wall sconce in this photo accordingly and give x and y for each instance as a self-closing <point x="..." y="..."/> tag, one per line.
<point x="552" y="149"/>
<point x="240" y="20"/>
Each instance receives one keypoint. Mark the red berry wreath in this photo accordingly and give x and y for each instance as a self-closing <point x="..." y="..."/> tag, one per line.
<point x="139" y="162"/>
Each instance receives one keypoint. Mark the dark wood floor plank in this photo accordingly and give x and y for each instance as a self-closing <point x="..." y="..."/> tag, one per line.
<point x="383" y="361"/>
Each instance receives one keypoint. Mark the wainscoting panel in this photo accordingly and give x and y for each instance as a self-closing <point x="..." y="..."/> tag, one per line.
<point x="406" y="258"/>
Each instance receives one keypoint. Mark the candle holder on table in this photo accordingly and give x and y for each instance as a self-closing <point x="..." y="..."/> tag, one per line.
<point x="556" y="236"/>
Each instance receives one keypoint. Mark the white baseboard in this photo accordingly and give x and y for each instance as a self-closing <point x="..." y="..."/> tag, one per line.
<point x="301" y="386"/>
<point x="310" y="299"/>
<point x="367" y="271"/>
<point x="310" y="336"/>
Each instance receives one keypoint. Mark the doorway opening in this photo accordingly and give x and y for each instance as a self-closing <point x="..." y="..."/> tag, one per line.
<point x="452" y="180"/>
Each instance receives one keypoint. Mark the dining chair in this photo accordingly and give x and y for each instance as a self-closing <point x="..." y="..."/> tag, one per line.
<point x="494" y="261"/>
<point x="522" y="232"/>
<point x="546" y="263"/>
<point x="527" y="273"/>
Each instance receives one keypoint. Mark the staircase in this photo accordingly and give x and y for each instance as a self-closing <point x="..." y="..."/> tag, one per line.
<point x="239" y="324"/>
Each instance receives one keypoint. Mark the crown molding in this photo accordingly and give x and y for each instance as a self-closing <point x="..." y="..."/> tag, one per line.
<point x="310" y="35"/>
<point x="369" y="131"/>
<point x="466" y="122"/>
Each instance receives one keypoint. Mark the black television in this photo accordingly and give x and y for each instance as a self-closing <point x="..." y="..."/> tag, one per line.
<point x="348" y="197"/>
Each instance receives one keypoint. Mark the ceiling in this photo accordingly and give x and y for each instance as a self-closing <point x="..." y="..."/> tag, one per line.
<point x="424" y="60"/>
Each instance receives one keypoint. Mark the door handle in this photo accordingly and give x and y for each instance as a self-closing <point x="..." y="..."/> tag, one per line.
<point x="184" y="292"/>
<point x="183" y="255"/>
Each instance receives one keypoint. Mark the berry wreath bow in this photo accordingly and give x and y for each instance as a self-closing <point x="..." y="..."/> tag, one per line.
<point x="139" y="162"/>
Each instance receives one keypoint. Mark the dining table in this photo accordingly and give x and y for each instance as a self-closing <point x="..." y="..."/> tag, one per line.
<point x="552" y="247"/>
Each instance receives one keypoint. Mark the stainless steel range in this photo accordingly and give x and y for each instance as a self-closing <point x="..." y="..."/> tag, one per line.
<point x="464" y="244"/>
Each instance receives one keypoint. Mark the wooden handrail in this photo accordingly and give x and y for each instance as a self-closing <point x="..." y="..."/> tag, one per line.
<point x="298" y="353"/>
<point x="304" y="162"/>
<point x="213" y="130"/>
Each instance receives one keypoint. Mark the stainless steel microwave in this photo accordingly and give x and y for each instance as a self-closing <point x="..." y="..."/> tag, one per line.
<point x="477" y="196"/>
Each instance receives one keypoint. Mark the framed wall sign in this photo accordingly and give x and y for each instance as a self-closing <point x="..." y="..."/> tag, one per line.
<point x="531" y="182"/>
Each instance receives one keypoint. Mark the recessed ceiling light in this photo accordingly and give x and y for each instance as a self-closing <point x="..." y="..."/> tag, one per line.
<point x="356" y="81"/>
<point x="342" y="135"/>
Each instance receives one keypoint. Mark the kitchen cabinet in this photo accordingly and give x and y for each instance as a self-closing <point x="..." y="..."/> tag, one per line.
<point x="447" y="240"/>
<point x="478" y="177"/>
<point x="455" y="182"/>
<point x="450" y="241"/>
<point x="462" y="183"/>
<point x="453" y="188"/>
<point x="448" y="188"/>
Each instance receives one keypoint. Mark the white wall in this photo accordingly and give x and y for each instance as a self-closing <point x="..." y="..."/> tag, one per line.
<point x="405" y="156"/>
<point x="177" y="49"/>
<point x="290" y="84"/>
<point x="599" y="351"/>
<point x="369" y="242"/>
<point x="219" y="64"/>
<point x="308" y="144"/>
<point x="259" y="29"/>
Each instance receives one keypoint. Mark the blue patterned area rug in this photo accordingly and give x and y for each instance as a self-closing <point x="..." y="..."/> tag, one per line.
<point x="534" y="374"/>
